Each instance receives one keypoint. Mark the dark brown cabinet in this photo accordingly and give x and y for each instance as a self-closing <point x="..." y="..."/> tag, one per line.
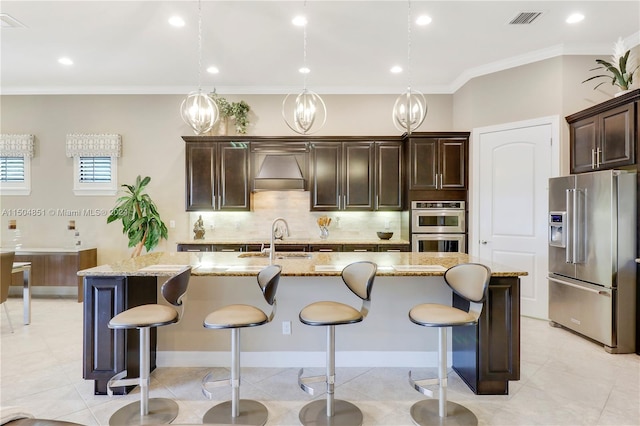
<point x="604" y="136"/>
<point x="389" y="175"/>
<point x="342" y="176"/>
<point x="217" y="175"/>
<point x="106" y="351"/>
<point x="437" y="163"/>
<point x="487" y="355"/>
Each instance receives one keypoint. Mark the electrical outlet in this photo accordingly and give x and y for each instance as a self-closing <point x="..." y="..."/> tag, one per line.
<point x="172" y="224"/>
<point x="286" y="327"/>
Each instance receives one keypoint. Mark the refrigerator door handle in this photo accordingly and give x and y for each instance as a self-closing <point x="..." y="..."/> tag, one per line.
<point x="569" y="226"/>
<point x="580" y="287"/>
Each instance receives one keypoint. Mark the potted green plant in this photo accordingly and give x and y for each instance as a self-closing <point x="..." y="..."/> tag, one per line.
<point x="238" y="111"/>
<point x="620" y="69"/>
<point x="140" y="218"/>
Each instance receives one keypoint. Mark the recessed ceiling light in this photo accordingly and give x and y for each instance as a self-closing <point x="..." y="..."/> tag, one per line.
<point x="423" y="20"/>
<point x="397" y="69"/>
<point x="299" y="21"/>
<point x="213" y="70"/>
<point x="575" y="18"/>
<point x="304" y="70"/>
<point x="176" y="21"/>
<point x="65" y="61"/>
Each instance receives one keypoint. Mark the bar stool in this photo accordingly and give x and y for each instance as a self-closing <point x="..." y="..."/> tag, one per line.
<point x="358" y="277"/>
<point x="469" y="281"/>
<point x="143" y="317"/>
<point x="235" y="317"/>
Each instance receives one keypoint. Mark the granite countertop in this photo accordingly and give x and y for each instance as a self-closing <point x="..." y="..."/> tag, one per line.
<point x="293" y="264"/>
<point x="330" y="240"/>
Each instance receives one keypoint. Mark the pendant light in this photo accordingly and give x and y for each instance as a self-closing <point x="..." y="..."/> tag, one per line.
<point x="410" y="108"/>
<point x="198" y="110"/>
<point x="300" y="114"/>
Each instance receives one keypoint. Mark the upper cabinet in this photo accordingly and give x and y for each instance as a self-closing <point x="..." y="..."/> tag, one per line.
<point x="217" y="175"/>
<point x="438" y="162"/>
<point x="342" y="176"/>
<point x="604" y="136"/>
<point x="356" y="175"/>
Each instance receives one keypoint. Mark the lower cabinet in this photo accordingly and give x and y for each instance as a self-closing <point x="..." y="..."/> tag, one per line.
<point x="107" y="352"/>
<point x="487" y="356"/>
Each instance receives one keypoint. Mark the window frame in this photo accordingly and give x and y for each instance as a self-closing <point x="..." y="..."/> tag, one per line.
<point x="18" y="188"/>
<point x="95" y="188"/>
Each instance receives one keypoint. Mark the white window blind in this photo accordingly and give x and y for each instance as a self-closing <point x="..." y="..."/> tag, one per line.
<point x="94" y="170"/>
<point x="12" y="169"/>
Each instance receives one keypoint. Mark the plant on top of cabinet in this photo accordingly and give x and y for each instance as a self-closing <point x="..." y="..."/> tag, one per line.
<point x="620" y="70"/>
<point x="140" y="218"/>
<point x="239" y="111"/>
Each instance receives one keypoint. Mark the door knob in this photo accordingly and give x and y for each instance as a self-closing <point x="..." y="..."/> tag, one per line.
<point x="483" y="242"/>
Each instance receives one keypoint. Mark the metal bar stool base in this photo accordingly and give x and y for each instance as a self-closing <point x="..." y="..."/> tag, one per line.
<point x="250" y="413"/>
<point x="426" y="412"/>
<point x="344" y="414"/>
<point x="161" y="411"/>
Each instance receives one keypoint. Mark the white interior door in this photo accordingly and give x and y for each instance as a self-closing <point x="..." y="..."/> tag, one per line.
<point x="512" y="165"/>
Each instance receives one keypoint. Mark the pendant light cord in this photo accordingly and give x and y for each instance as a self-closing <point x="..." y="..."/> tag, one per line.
<point x="409" y="45"/>
<point x="199" y="47"/>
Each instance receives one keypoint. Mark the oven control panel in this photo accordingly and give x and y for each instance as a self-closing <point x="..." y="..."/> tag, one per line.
<point x="458" y="205"/>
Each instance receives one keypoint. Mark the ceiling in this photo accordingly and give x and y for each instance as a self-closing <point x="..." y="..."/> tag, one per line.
<point x="128" y="46"/>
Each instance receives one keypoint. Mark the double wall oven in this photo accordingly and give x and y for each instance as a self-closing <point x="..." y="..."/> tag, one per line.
<point x="438" y="226"/>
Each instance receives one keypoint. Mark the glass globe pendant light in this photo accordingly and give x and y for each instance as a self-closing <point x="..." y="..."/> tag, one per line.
<point x="410" y="108"/>
<point x="308" y="105"/>
<point x="198" y="110"/>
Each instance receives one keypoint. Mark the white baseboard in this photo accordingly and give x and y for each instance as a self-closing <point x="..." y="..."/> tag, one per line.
<point x="299" y="359"/>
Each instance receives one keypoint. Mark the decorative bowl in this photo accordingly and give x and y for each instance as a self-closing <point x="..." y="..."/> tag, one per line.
<point x="384" y="235"/>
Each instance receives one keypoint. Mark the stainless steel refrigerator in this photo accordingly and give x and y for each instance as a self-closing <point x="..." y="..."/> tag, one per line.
<point x="592" y="243"/>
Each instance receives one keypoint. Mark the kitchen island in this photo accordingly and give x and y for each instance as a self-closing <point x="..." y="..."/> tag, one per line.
<point x="487" y="356"/>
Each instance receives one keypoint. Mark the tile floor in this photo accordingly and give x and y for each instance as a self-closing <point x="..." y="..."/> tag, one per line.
<point x="565" y="380"/>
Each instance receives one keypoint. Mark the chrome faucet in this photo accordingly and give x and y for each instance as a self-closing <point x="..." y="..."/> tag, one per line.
<point x="272" y="249"/>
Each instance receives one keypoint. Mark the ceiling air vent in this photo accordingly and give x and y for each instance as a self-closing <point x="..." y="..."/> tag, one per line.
<point x="525" y="18"/>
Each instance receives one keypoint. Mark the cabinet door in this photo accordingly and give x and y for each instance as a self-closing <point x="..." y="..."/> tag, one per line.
<point x="358" y="169"/>
<point x="582" y="136"/>
<point x="200" y="176"/>
<point x="360" y="247"/>
<point x="617" y="130"/>
<point x="233" y="177"/>
<point x="452" y="163"/>
<point x="325" y="247"/>
<point x="389" y="173"/>
<point x="326" y="176"/>
<point x="423" y="154"/>
<point x="194" y="247"/>
<point x="61" y="269"/>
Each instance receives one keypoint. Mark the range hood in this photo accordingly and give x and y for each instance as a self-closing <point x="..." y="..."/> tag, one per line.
<point x="279" y="172"/>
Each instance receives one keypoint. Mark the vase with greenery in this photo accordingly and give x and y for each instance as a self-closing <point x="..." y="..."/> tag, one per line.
<point x="140" y="218"/>
<point x="238" y="111"/>
<point x="620" y="68"/>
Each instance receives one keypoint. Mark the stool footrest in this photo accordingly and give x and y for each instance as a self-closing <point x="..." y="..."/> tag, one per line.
<point x="119" y="380"/>
<point x="208" y="383"/>
<point x="419" y="385"/>
<point x="304" y="381"/>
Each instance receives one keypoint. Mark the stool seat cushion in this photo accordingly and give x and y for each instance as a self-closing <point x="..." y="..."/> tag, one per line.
<point x="235" y="316"/>
<point x="151" y="315"/>
<point x="329" y="313"/>
<point x="436" y="315"/>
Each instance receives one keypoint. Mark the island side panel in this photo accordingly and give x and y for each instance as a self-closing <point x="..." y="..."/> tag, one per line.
<point x="487" y="356"/>
<point x="106" y="351"/>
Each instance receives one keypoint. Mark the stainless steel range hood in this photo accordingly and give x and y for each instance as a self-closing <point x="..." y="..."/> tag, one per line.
<point x="279" y="172"/>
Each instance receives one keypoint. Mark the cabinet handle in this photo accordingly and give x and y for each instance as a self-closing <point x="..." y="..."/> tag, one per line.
<point x="360" y="250"/>
<point x="598" y="152"/>
<point x="593" y="158"/>
<point x="441" y="182"/>
<point x="393" y="250"/>
<point x="325" y="249"/>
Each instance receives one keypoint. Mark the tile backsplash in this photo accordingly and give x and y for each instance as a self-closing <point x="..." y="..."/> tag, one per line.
<point x="294" y="207"/>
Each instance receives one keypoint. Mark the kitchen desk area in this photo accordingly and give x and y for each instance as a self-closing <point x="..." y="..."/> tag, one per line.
<point x="487" y="356"/>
